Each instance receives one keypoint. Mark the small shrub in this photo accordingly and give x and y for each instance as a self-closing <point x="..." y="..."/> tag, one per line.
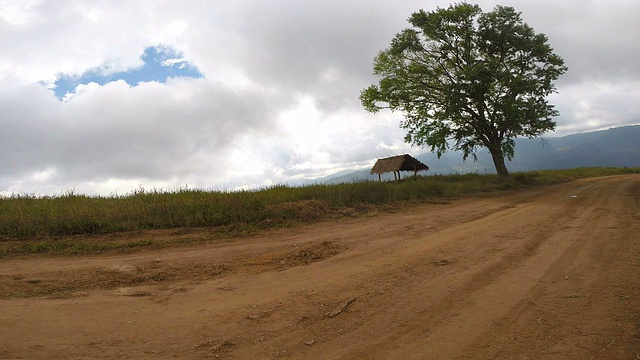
<point x="306" y="210"/>
<point x="526" y="178"/>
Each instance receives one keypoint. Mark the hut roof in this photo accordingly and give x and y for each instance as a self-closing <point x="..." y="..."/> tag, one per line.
<point x="398" y="163"/>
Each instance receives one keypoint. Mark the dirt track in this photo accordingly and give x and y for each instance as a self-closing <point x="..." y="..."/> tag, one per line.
<point x="549" y="273"/>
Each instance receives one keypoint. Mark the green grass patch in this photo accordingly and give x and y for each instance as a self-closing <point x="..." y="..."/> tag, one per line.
<point x="31" y="224"/>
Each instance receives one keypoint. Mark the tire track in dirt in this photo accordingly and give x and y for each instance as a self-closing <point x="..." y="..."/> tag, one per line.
<point x="538" y="274"/>
<point x="498" y="290"/>
<point x="576" y="283"/>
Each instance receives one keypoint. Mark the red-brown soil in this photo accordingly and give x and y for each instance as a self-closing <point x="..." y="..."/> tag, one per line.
<point x="547" y="273"/>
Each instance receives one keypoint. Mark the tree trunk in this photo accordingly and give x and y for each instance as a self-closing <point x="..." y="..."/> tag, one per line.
<point x="498" y="161"/>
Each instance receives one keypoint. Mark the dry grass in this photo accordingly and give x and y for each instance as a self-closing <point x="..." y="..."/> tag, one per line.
<point x="60" y="224"/>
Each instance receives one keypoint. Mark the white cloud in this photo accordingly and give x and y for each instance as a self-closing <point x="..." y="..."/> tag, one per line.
<point x="598" y="105"/>
<point x="17" y="12"/>
<point x="279" y="97"/>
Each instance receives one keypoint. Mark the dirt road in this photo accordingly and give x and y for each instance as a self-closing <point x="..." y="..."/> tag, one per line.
<point x="547" y="273"/>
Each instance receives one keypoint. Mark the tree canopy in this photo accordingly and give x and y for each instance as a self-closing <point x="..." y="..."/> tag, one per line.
<point x="465" y="79"/>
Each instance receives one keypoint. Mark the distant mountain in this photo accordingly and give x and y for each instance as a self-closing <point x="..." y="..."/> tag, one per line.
<point x="616" y="147"/>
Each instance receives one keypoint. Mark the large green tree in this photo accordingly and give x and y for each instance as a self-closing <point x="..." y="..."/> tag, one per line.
<point x="465" y="79"/>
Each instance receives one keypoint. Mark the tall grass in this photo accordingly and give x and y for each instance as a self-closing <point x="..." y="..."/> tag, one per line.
<point x="29" y="216"/>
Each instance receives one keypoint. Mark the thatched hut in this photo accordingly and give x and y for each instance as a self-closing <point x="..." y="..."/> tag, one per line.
<point x="396" y="164"/>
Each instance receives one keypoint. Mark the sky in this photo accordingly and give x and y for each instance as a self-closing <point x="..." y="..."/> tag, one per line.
<point x="103" y="99"/>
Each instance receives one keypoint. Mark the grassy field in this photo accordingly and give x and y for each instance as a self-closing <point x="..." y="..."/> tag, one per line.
<point x="59" y="224"/>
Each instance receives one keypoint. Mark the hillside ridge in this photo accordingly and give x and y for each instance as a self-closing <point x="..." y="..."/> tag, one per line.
<point x="615" y="147"/>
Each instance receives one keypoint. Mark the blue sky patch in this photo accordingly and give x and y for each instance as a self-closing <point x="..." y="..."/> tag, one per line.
<point x="160" y="63"/>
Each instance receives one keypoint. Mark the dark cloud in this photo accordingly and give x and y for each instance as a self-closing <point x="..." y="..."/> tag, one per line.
<point x="597" y="39"/>
<point x="323" y="49"/>
<point x="259" y="59"/>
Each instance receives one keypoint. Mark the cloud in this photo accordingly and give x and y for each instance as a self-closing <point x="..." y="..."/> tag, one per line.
<point x="246" y="93"/>
<point x="159" y="63"/>
<point x="150" y="132"/>
<point x="598" y="106"/>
